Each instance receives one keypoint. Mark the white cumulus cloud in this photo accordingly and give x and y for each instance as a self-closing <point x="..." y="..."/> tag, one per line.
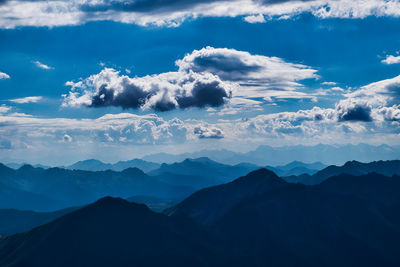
<point x="391" y="60"/>
<point x="4" y="76"/>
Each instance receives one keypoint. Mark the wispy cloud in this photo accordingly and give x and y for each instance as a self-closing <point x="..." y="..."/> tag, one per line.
<point x="173" y="13"/>
<point x="42" y="66"/>
<point x="391" y="60"/>
<point x="4" y="109"/>
<point x="4" y="76"/>
<point x="255" y="18"/>
<point x="28" y="99"/>
<point x="328" y="83"/>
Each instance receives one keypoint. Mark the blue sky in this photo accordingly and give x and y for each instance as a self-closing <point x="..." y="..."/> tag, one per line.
<point x="82" y="79"/>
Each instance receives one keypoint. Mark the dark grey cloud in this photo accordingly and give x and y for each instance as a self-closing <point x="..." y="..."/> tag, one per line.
<point x="204" y="94"/>
<point x="356" y="113"/>
<point x="245" y="68"/>
<point x="162" y="92"/>
<point x="144" y="5"/>
<point x="271" y="2"/>
<point x="132" y="96"/>
<point x="226" y="66"/>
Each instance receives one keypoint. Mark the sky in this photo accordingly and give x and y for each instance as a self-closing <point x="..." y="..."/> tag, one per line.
<point x="114" y="80"/>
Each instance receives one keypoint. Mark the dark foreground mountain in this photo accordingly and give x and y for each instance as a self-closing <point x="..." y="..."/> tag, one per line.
<point x="16" y="221"/>
<point x="387" y="168"/>
<point x="208" y="205"/>
<point x="345" y="221"/>
<point x="111" y="232"/>
<point x="155" y="203"/>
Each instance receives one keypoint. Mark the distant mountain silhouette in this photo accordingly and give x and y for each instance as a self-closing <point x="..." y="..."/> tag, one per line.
<point x="97" y="165"/>
<point x="200" y="172"/>
<point x="297" y="168"/>
<point x="16" y="166"/>
<point x="388" y="168"/>
<point x="111" y="232"/>
<point x="208" y="205"/>
<point x="17" y="221"/>
<point x="19" y="199"/>
<point x="58" y="188"/>
<point x="274" y="156"/>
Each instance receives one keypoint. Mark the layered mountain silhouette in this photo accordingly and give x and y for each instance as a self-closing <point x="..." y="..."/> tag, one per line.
<point x="345" y="221"/>
<point x="297" y="168"/>
<point x="208" y="205"/>
<point x="56" y="188"/>
<point x="388" y="168"/>
<point x="97" y="165"/>
<point x="200" y="172"/>
<point x="255" y="220"/>
<point x="274" y="156"/>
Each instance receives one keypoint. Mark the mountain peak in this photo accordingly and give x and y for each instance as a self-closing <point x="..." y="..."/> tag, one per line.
<point x="133" y="171"/>
<point x="210" y="204"/>
<point x="26" y="167"/>
<point x="114" y="207"/>
<point x="352" y="163"/>
<point x="260" y="174"/>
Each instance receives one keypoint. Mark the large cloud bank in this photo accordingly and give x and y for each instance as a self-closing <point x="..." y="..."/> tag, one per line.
<point x="14" y="13"/>
<point x="209" y="77"/>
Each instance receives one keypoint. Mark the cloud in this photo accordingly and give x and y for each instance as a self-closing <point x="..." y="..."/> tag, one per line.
<point x="4" y="76"/>
<point x="209" y="77"/>
<point x="391" y="60"/>
<point x="381" y="93"/>
<point x="4" y="109"/>
<point x="42" y="66"/>
<point x="28" y="99"/>
<point x="255" y="76"/>
<point x="67" y="138"/>
<point x="161" y="92"/>
<point x="329" y="83"/>
<point x="255" y="18"/>
<point x="143" y="6"/>
<point x="389" y="113"/>
<point x="136" y="129"/>
<point x="353" y="111"/>
<point x="234" y="65"/>
<point x="204" y="132"/>
<point x="173" y="12"/>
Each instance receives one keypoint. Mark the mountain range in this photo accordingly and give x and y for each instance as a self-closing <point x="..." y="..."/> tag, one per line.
<point x="387" y="168"/>
<point x="97" y="165"/>
<point x="51" y="189"/>
<point x="274" y="156"/>
<point x="256" y="220"/>
<point x="56" y="188"/>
